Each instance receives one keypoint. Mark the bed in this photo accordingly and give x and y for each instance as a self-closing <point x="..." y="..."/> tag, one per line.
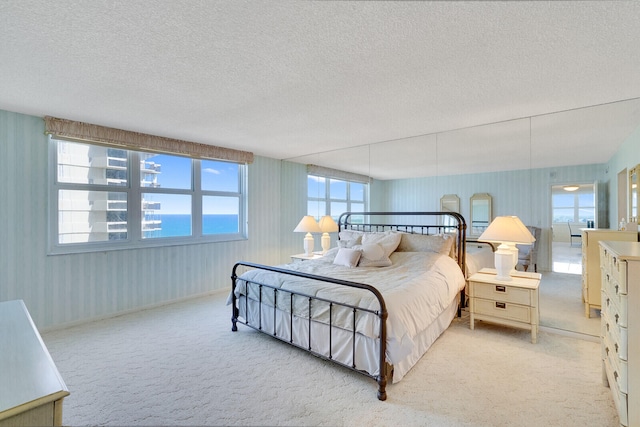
<point x="373" y="304"/>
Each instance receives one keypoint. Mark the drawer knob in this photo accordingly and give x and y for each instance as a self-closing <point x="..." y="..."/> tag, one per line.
<point x="617" y="317"/>
<point x="500" y="288"/>
<point x="616" y="289"/>
<point x="501" y="305"/>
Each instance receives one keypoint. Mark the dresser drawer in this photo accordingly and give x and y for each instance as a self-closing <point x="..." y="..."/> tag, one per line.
<point x="619" y="367"/>
<point x="619" y="274"/>
<point x="616" y="308"/>
<point x="619" y="398"/>
<point x="616" y="335"/>
<point x="605" y="259"/>
<point x="504" y="310"/>
<point x="502" y="293"/>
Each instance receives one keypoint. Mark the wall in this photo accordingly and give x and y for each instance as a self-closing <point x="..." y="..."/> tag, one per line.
<point x="65" y="289"/>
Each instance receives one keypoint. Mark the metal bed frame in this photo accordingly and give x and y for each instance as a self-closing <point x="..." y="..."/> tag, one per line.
<point x="346" y="222"/>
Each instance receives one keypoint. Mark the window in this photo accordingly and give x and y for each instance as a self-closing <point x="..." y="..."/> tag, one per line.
<point x="105" y="198"/>
<point x="331" y="196"/>
<point x="574" y="207"/>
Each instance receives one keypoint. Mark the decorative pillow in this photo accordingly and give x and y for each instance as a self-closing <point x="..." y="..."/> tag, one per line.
<point x="350" y="234"/>
<point x="349" y="243"/>
<point x="331" y="253"/>
<point x="438" y="243"/>
<point x="347" y="257"/>
<point x="388" y="240"/>
<point x="373" y="255"/>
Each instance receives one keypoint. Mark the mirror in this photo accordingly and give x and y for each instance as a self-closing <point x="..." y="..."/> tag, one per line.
<point x="450" y="203"/>
<point x="480" y="213"/>
<point x="633" y="193"/>
<point x="413" y="172"/>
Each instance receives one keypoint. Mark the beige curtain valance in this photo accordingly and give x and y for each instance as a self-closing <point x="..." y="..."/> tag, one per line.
<point x="336" y="173"/>
<point x="86" y="132"/>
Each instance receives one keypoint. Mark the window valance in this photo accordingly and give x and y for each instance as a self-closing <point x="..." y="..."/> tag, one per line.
<point x="79" y="131"/>
<point x="338" y="174"/>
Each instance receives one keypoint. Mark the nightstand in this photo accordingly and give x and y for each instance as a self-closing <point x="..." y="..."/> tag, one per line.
<point x="304" y="257"/>
<point x="511" y="303"/>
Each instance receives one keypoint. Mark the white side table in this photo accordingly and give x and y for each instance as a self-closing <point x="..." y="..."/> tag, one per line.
<point x="304" y="257"/>
<point x="512" y="303"/>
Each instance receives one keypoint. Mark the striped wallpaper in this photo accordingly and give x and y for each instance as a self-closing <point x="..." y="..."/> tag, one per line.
<point x="66" y="289"/>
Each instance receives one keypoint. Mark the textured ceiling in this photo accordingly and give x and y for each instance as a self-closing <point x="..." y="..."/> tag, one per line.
<point x="408" y="88"/>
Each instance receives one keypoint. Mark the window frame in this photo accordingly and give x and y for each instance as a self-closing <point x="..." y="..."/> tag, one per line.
<point x="134" y="191"/>
<point x="327" y="200"/>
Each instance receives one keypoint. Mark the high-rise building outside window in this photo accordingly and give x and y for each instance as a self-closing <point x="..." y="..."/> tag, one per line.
<point x="108" y="198"/>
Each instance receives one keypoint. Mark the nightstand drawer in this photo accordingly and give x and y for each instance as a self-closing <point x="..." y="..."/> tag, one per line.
<point x="504" y="293"/>
<point x="504" y="310"/>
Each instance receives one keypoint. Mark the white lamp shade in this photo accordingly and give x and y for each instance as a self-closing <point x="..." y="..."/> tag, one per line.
<point x="327" y="224"/>
<point x="506" y="230"/>
<point x="307" y="224"/>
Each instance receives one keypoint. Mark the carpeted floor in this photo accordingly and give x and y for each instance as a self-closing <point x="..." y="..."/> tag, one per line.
<point x="181" y="365"/>
<point x="561" y="305"/>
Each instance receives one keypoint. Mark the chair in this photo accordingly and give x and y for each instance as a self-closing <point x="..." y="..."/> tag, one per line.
<point x="572" y="234"/>
<point x="528" y="254"/>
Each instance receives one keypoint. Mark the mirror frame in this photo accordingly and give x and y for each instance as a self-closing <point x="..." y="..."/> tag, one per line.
<point x="633" y="193"/>
<point x="479" y="197"/>
<point x="450" y="203"/>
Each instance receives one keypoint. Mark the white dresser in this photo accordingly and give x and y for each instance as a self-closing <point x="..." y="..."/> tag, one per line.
<point x="591" y="281"/>
<point x="620" y="333"/>
<point x="31" y="388"/>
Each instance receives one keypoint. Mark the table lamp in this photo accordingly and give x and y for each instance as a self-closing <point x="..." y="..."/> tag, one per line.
<point x="308" y="225"/>
<point x="327" y="225"/>
<point x="506" y="230"/>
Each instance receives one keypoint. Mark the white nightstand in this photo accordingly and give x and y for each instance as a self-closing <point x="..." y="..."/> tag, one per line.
<point x="304" y="257"/>
<point x="511" y="303"/>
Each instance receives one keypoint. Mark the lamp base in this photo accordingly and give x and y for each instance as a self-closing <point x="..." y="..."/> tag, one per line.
<point x="308" y="244"/>
<point x="325" y="240"/>
<point x="503" y="260"/>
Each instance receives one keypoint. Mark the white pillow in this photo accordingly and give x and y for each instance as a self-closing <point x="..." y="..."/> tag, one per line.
<point x="347" y="257"/>
<point x="438" y="243"/>
<point x="388" y="240"/>
<point x="373" y="255"/>
<point x="349" y="238"/>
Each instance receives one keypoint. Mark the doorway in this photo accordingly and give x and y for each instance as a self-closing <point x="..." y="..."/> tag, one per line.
<point x="573" y="207"/>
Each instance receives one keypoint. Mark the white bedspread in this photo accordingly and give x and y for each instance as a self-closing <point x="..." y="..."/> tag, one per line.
<point x="416" y="289"/>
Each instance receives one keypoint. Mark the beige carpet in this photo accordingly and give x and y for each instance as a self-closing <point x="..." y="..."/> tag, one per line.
<point x="561" y="304"/>
<point x="181" y="365"/>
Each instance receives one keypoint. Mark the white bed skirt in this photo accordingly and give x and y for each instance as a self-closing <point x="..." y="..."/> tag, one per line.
<point x="367" y="349"/>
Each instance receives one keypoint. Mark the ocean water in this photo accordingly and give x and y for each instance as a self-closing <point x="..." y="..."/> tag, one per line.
<point x="180" y="225"/>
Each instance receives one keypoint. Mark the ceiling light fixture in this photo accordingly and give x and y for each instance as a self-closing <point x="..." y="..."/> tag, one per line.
<point x="570" y="187"/>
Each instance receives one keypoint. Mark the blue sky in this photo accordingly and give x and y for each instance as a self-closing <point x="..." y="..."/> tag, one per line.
<point x="176" y="173"/>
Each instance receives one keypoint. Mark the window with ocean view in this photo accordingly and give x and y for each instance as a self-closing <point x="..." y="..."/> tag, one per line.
<point x="176" y="199"/>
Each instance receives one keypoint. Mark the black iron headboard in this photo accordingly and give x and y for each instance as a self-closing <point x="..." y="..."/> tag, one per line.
<point x="411" y="222"/>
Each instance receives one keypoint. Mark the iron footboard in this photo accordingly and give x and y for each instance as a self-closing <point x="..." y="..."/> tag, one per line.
<point x="384" y="371"/>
